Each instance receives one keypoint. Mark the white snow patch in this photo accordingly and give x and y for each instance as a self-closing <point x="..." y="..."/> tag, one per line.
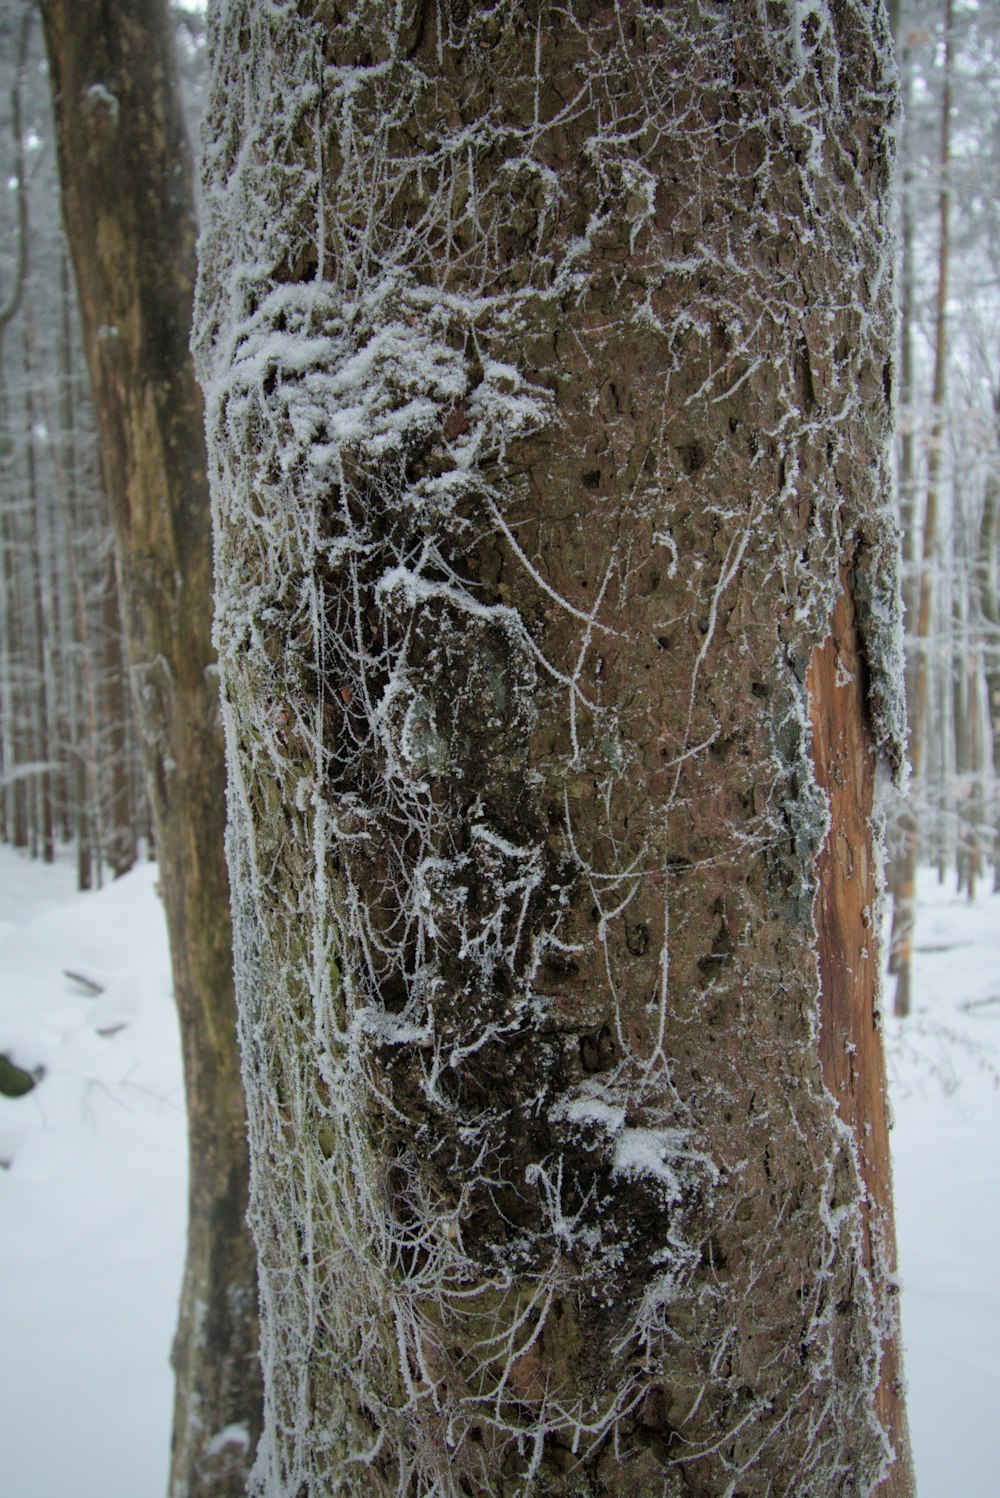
<point x="646" y="1151"/>
<point x="589" y="1110"/>
<point x="93" y="1199"/>
<point x="229" y="1435"/>
<point x="100" y="98"/>
<point x="391" y="1029"/>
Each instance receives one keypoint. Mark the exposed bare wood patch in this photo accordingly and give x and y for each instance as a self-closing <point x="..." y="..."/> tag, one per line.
<point x="850" y="1042"/>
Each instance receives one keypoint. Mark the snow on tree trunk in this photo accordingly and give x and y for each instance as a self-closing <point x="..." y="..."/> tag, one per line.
<point x="547" y="354"/>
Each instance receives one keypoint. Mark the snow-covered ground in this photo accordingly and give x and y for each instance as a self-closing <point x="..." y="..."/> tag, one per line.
<point x="92" y="1203"/>
<point x="92" y="1196"/>
<point x="944" y="1066"/>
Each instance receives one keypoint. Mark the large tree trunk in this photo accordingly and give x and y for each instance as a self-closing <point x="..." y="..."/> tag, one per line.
<point x="548" y="355"/>
<point x="128" y="209"/>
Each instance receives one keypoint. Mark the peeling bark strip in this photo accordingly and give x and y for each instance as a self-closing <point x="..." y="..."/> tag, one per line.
<point x="543" y="417"/>
<point x="846" y="924"/>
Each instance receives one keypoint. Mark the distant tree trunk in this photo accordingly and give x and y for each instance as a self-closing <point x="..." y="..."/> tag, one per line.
<point x="17" y="749"/>
<point x="120" y="834"/>
<point x="966" y="670"/>
<point x="977" y="798"/>
<point x="41" y="622"/>
<point x="548" y="356"/>
<point x="905" y="395"/>
<point x="906" y="447"/>
<point x="905" y="891"/>
<point x="956" y="675"/>
<point x="83" y="693"/>
<point x="107" y="826"/>
<point x="14" y="788"/>
<point x="14" y="823"/>
<point x="127" y="204"/>
<point x="988" y="594"/>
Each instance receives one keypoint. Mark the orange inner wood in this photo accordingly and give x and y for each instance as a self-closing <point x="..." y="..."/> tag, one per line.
<point x="850" y="1043"/>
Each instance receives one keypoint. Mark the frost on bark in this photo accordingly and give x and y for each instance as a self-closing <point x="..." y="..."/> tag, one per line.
<point x="128" y="209"/>
<point x="547" y="355"/>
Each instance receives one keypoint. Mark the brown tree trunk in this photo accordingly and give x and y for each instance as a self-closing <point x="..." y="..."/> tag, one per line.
<point x="111" y="820"/>
<point x="547" y="354"/>
<point x="120" y="843"/>
<point x="127" y="204"/>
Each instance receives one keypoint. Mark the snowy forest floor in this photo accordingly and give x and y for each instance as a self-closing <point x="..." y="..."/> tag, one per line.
<point x="92" y="1199"/>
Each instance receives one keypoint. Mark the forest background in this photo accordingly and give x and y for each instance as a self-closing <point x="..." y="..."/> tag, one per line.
<point x="70" y="768"/>
<point x="70" y="761"/>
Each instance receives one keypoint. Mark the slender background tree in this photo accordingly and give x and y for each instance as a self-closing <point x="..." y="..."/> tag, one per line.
<point x="128" y="208"/>
<point x="66" y="738"/>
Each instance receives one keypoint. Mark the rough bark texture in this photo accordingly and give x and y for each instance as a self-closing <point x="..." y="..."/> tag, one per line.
<point x="547" y="351"/>
<point x="127" y="202"/>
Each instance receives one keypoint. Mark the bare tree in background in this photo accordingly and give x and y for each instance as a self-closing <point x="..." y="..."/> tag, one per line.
<point x="67" y="752"/>
<point x="127" y="203"/>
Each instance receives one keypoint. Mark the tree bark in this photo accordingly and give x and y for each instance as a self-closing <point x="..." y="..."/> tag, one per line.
<point x="127" y="204"/>
<point x="120" y="843"/>
<point x="547" y="354"/>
